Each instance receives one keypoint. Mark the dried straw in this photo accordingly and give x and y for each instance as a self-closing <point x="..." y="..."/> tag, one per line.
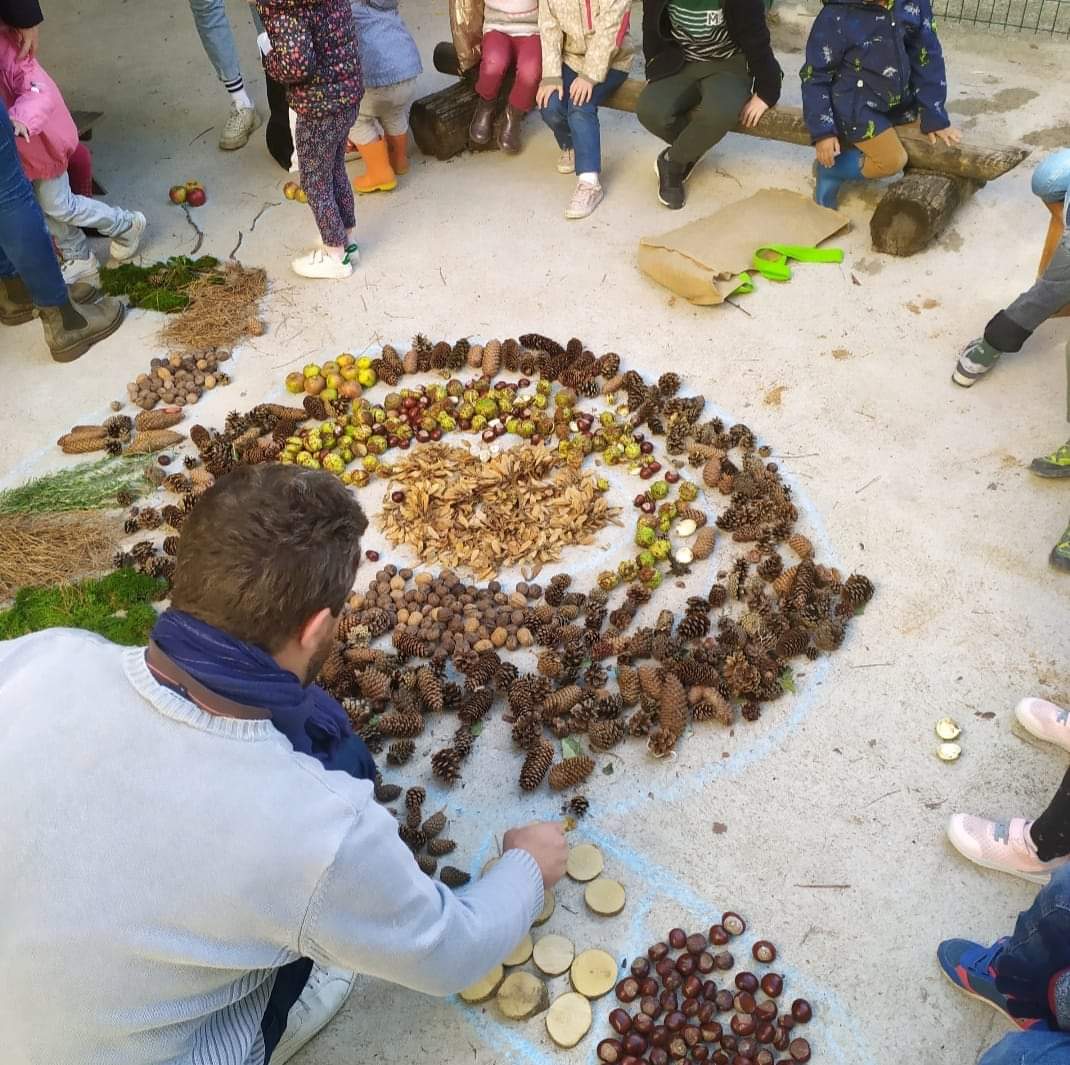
<point x="222" y="310"/>
<point x="50" y="549"/>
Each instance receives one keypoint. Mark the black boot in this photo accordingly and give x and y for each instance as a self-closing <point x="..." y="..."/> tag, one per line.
<point x="16" y="303"/>
<point x="671" y="178"/>
<point x="482" y="127"/>
<point x="71" y="330"/>
<point x="509" y="134"/>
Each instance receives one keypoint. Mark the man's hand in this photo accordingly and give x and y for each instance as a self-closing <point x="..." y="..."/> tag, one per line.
<point x="753" y="110"/>
<point x="28" y="40"/>
<point x="20" y="129"/>
<point x="580" y="91"/>
<point x="948" y="136"/>
<point x="827" y="149"/>
<point x="545" y="842"/>
<point x="543" y="95"/>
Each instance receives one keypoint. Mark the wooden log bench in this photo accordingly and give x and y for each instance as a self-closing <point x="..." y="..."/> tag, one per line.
<point x="913" y="212"/>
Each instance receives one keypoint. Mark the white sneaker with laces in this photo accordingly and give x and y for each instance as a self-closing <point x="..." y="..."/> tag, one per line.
<point x="79" y="269"/>
<point x="318" y="263"/>
<point x="585" y="199"/>
<point x="238" y="128"/>
<point x="1001" y="845"/>
<point x="566" y="162"/>
<point x="1044" y="720"/>
<point x="125" y="245"/>
<point x="324" y="995"/>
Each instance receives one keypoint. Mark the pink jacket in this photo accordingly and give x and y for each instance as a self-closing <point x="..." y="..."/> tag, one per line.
<point x="34" y="99"/>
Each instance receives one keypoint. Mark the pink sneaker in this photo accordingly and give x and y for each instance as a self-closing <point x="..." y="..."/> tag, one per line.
<point x="1001" y="845"/>
<point x="1044" y="720"/>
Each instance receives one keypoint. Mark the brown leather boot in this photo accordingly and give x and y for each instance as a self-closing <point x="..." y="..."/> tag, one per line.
<point x="71" y="330"/>
<point x="479" y="132"/>
<point x="509" y="135"/>
<point x="16" y="303"/>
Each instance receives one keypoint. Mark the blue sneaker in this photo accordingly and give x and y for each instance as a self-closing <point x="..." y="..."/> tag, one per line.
<point x="846" y="167"/>
<point x="970" y="967"/>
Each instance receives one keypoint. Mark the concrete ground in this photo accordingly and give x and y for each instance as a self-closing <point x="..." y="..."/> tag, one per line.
<point x="844" y="371"/>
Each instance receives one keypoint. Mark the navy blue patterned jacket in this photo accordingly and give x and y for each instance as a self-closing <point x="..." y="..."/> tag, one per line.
<point x="870" y="66"/>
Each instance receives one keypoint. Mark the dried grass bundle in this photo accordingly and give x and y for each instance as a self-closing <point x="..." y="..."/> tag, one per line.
<point x="221" y="311"/>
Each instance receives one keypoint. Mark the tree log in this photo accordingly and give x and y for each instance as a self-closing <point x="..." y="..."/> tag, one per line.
<point x="915" y="210"/>
<point x="972" y="161"/>
<point x="440" y="121"/>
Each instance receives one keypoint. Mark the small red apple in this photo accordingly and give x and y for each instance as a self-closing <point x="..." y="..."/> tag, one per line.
<point x="177" y="194"/>
<point x="193" y="185"/>
<point x="196" y="196"/>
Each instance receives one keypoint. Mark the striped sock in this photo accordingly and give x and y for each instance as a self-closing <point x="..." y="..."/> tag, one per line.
<point x="236" y="88"/>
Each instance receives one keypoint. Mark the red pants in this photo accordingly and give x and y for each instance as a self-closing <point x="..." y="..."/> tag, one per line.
<point x="500" y="52"/>
<point x="80" y="171"/>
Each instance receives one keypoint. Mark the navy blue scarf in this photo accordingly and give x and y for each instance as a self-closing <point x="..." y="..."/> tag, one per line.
<point x="310" y="719"/>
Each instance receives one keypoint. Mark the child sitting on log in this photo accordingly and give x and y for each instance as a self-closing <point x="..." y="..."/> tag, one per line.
<point x="390" y="62"/>
<point x="314" y="54"/>
<point x="47" y="140"/>
<point x="871" y="65"/>
<point x="586" y="56"/>
<point x="510" y="40"/>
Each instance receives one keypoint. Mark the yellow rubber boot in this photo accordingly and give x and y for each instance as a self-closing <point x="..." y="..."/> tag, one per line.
<point x="1051" y="242"/>
<point x="398" y="146"/>
<point x="378" y="174"/>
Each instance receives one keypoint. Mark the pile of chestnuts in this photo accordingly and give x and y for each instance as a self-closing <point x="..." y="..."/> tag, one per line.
<point x="685" y="1015"/>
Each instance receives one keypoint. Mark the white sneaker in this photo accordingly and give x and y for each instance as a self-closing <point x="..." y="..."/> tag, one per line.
<point x="79" y="269"/>
<point x="1044" y="720"/>
<point x="239" y="127"/>
<point x="1001" y="845"/>
<point x="566" y="163"/>
<point x="125" y="245"/>
<point x="585" y="199"/>
<point x="317" y="263"/>
<point x="324" y="995"/>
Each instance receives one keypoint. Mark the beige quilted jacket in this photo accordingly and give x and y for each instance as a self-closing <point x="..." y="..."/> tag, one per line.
<point x="591" y="36"/>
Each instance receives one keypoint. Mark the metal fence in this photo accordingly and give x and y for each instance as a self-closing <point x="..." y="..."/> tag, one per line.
<point x="1048" y="17"/>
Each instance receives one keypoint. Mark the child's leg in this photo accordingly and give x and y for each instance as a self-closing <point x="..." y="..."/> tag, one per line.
<point x="80" y="170"/>
<point x="528" y="72"/>
<point x="498" y="56"/>
<point x="316" y="152"/>
<point x="1051" y="181"/>
<point x="67" y="214"/>
<point x="213" y="26"/>
<point x="555" y="113"/>
<point x="584" y="128"/>
<point x="395" y="119"/>
<point x="343" y="191"/>
<point x="883" y="155"/>
<point x="723" y="93"/>
<point x="664" y="105"/>
<point x="367" y="128"/>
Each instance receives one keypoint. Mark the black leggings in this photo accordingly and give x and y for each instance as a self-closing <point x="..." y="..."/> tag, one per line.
<point x="1051" y="830"/>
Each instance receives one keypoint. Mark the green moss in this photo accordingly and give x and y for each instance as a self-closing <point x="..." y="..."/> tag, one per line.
<point x="159" y="286"/>
<point x="118" y="607"/>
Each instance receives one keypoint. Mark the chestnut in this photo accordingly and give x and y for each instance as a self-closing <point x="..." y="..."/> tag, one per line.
<point x="631" y="1059"/>
<point x="658" y="1056"/>
<point x="640" y="967"/>
<point x="690" y="1007"/>
<point x="692" y="1035"/>
<point x="706" y="1013"/>
<point x="664" y="966"/>
<point x="744" y="1002"/>
<point x="648" y="986"/>
<point x="733" y="924"/>
<point x="692" y="987"/>
<point x="718" y="936"/>
<point x="660" y="1036"/>
<point x="721" y="1057"/>
<point x="677" y="1048"/>
<point x="711" y="1032"/>
<point x="627" y="990"/>
<point x="772" y="984"/>
<point x="675" y="1021"/>
<point x="700" y="1052"/>
<point x="643" y="1024"/>
<point x="686" y="964"/>
<point x="610" y="1051"/>
<point x="709" y="990"/>
<point x="696" y="943"/>
<point x="799" y="1050"/>
<point x="765" y="1011"/>
<point x="763" y="951"/>
<point x="766" y="1032"/>
<point x="747" y="1047"/>
<point x="763" y="1057"/>
<point x="781" y="1038"/>
<point x="635" y="1044"/>
<point x="704" y="962"/>
<point x="801" y="1010"/>
<point x="742" y="1059"/>
<point x="744" y="1024"/>
<point x="724" y="961"/>
<point x="673" y="982"/>
<point x="677" y="938"/>
<point x="620" y="1021"/>
<point x="669" y="1001"/>
<point x="729" y="1042"/>
<point x="657" y="951"/>
<point x="724" y="1000"/>
<point x="747" y="982"/>
<point x="650" y="1006"/>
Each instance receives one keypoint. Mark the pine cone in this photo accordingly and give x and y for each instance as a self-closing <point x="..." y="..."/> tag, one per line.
<point x="410" y="645"/>
<point x="415" y="798"/>
<point x="791" y="643"/>
<point x="403" y="724"/>
<point x="783" y="584"/>
<point x="446" y="765"/>
<point x="155" y="440"/>
<point x="857" y="589"/>
<point x="562" y="700"/>
<point x="161" y="418"/>
<point x="669" y="384"/>
<point x="672" y="707"/>
<point x="476" y="706"/>
<point x="694" y="626"/>
<point x="463" y="741"/>
<point x="650" y="680"/>
<point x="385" y="793"/>
<point x="537" y="342"/>
<point x="149" y="518"/>
<point x="400" y="752"/>
<point x="703" y="544"/>
<point x="439" y="848"/>
<point x="536" y="765"/>
<point x="492" y="358"/>
<point x="606" y="734"/>
<point x="628" y="684"/>
<point x="713" y="707"/>
<point x="412" y="837"/>
<point x="374" y="685"/>
<point x="527" y="730"/>
<point x="640" y="723"/>
<point x="427" y="864"/>
<point x="434" y="824"/>
<point x="579" y="805"/>
<point x="609" y="364"/>
<point x="430" y="688"/>
<point x="751" y="710"/>
<point x="453" y="878"/>
<point x="570" y="772"/>
<point x="801" y="545"/>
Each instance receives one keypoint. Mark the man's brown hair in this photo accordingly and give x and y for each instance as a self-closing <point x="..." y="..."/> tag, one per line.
<point x="266" y="548"/>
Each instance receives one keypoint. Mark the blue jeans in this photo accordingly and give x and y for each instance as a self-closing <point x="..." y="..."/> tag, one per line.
<point x="1051" y="180"/>
<point x="210" y="17"/>
<point x="25" y="246"/>
<point x="1030" y="1048"/>
<point x="577" y="127"/>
